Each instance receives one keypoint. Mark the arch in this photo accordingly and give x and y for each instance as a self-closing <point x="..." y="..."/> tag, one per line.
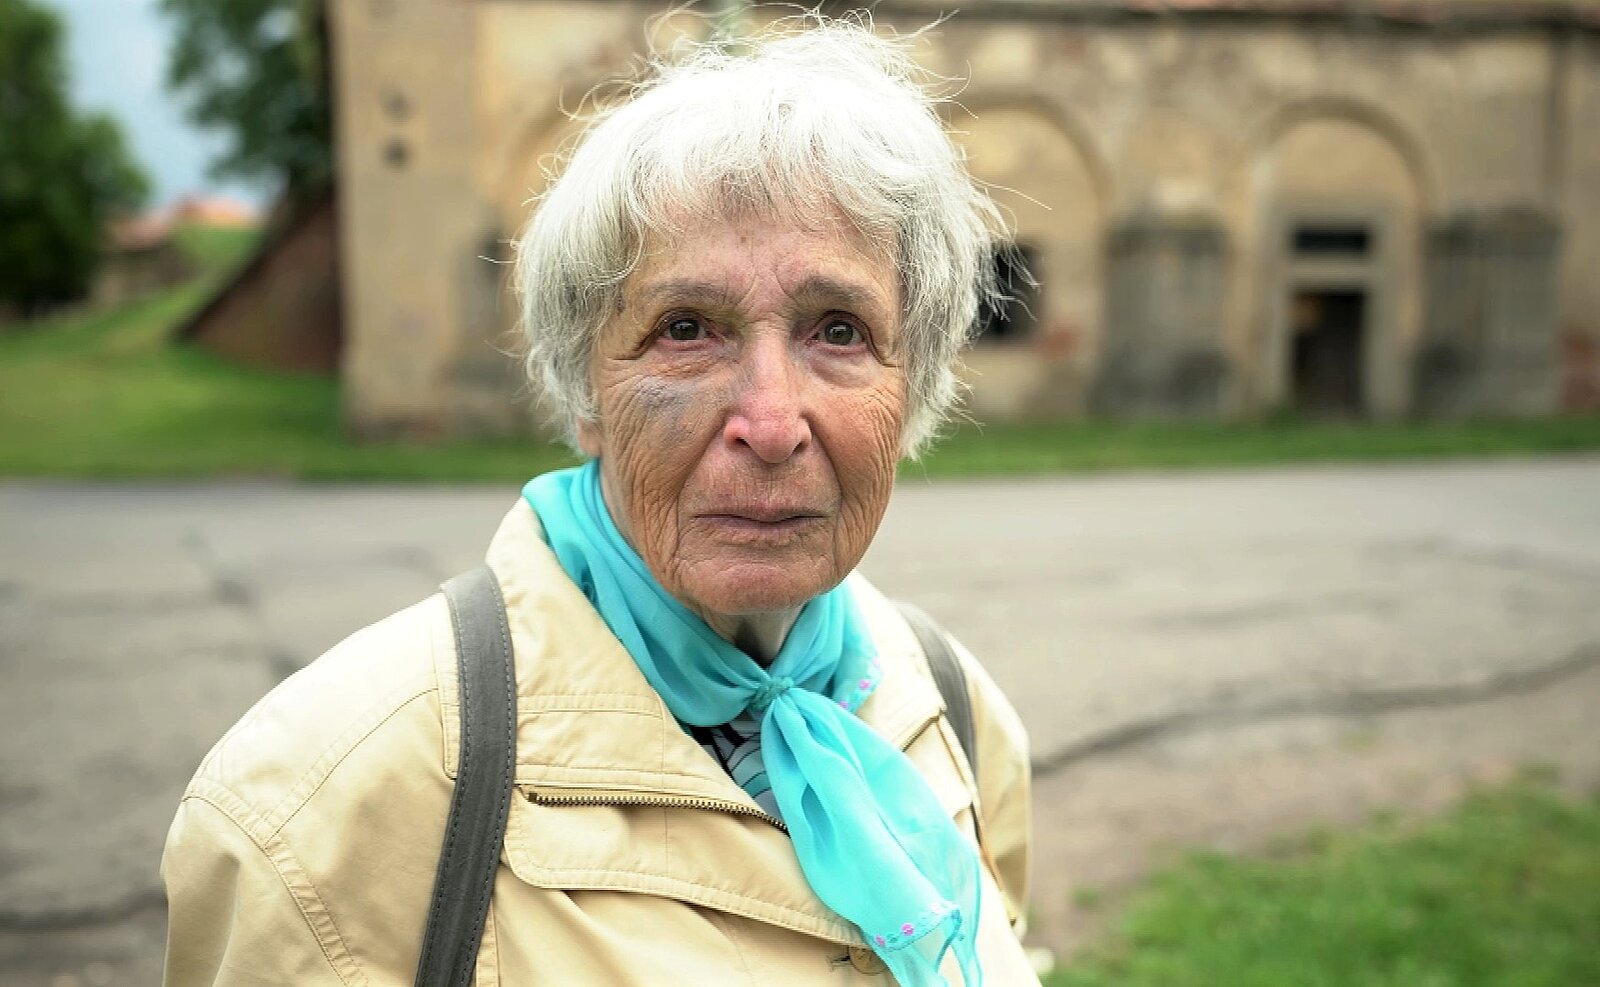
<point x="538" y="141"/>
<point x="1053" y="188"/>
<point x="1330" y="163"/>
<point x="1171" y="161"/>
<point x="1271" y="126"/>
<point x="1072" y="129"/>
<point x="1041" y="179"/>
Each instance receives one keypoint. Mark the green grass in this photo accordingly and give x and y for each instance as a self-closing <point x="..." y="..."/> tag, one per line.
<point x="217" y="250"/>
<point x="108" y="395"/>
<point x="1502" y="892"/>
<point x="1089" y="446"/>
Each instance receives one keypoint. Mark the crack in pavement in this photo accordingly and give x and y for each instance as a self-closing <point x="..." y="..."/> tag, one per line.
<point x="1364" y="702"/>
<point x="106" y="604"/>
<point x="88" y="916"/>
<point x="1512" y="558"/>
<point x="1267" y="611"/>
<point x="228" y="589"/>
<point x="418" y="560"/>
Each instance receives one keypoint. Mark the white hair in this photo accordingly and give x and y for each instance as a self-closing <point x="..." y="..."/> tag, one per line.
<point x="805" y="121"/>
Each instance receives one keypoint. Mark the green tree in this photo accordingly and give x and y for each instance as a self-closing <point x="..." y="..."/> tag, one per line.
<point x="63" y="174"/>
<point x="257" y="70"/>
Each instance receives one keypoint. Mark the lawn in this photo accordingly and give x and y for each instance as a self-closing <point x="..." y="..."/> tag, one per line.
<point x="1502" y="892"/>
<point x="1089" y="446"/>
<point x="108" y="395"/>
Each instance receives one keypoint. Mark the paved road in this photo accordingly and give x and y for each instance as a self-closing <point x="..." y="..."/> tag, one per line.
<point x="1204" y="658"/>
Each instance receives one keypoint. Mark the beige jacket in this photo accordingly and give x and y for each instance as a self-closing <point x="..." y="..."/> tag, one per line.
<point x="304" y="850"/>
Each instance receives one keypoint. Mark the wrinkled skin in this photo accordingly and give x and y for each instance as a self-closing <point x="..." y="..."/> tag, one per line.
<point x="751" y="399"/>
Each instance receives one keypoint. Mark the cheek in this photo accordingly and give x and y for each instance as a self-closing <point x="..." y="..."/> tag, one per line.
<point x="652" y="428"/>
<point x="867" y="448"/>
<point x="642" y="407"/>
<point x="876" y="418"/>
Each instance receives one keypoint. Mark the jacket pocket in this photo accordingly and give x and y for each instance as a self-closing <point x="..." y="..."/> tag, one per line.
<point x="739" y="864"/>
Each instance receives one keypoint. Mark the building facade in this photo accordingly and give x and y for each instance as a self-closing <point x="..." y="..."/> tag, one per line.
<point x="1231" y="209"/>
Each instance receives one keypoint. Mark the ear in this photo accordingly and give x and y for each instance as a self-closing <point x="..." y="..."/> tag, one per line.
<point x="589" y="438"/>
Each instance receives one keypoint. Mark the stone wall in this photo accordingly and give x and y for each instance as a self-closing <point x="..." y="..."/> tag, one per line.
<point x="1578" y="205"/>
<point x="412" y="213"/>
<point x="1270" y="129"/>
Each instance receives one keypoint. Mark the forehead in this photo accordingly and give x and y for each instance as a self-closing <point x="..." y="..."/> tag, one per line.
<point x="760" y="260"/>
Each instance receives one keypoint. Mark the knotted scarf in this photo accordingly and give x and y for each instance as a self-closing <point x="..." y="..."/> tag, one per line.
<point x="872" y="839"/>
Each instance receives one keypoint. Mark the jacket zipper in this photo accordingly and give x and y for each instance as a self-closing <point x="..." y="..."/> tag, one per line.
<point x="650" y="801"/>
<point x="593" y="798"/>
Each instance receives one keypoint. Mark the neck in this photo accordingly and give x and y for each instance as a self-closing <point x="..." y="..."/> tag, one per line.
<point x="758" y="635"/>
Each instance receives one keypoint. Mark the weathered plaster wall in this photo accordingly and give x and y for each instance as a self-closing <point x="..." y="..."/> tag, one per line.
<point x="1580" y="187"/>
<point x="410" y="212"/>
<point x="1077" y="126"/>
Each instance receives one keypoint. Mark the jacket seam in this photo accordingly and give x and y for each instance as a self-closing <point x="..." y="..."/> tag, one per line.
<point x="588" y="702"/>
<point x="759" y="909"/>
<point x="336" y="953"/>
<point x="554" y="773"/>
<point x="722" y="923"/>
<point x="486" y="971"/>
<point x="295" y="800"/>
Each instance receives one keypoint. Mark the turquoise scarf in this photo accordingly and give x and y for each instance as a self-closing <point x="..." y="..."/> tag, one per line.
<point x="872" y="840"/>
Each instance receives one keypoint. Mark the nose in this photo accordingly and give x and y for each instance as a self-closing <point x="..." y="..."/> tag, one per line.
<point x="768" y="414"/>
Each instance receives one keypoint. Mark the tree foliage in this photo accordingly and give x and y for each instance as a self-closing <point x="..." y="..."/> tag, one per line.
<point x="257" y="70"/>
<point x="63" y="174"/>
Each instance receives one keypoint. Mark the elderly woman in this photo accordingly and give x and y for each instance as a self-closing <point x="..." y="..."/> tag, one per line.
<point x="743" y="297"/>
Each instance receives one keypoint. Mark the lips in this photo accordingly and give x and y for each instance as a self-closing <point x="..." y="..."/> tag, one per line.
<point x="763" y="515"/>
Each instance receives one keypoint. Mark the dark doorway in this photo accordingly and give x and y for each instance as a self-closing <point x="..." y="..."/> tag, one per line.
<point x="1327" y="330"/>
<point x="1012" y="317"/>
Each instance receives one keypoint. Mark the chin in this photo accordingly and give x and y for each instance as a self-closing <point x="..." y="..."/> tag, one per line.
<point x="748" y="588"/>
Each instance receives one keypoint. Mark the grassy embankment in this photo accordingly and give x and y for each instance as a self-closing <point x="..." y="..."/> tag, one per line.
<point x="107" y="395"/>
<point x="1502" y="892"/>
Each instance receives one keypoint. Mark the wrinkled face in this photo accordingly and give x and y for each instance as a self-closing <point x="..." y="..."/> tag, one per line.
<point x="751" y="399"/>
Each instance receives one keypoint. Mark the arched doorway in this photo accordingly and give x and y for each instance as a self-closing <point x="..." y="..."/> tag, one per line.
<point x="1052" y="195"/>
<point x="1335" y="282"/>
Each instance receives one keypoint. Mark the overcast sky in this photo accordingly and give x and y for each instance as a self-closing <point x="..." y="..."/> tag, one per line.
<point x="117" y="56"/>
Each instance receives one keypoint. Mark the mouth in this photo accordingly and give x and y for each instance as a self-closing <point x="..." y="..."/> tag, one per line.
<point x="764" y="515"/>
<point x="761" y="523"/>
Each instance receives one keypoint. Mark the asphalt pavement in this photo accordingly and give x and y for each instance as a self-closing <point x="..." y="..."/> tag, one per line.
<point x="1212" y="659"/>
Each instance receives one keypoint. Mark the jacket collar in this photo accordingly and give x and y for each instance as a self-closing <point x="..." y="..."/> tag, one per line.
<point x="587" y="720"/>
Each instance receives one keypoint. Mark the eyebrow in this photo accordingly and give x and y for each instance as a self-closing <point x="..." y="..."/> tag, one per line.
<point x="818" y="288"/>
<point x="679" y="290"/>
<point x="821" y="287"/>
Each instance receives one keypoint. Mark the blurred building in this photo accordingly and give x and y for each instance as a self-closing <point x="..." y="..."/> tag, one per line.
<point x="215" y="212"/>
<point x="143" y="253"/>
<point x="282" y="309"/>
<point x="1338" y="207"/>
<point x="141" y="256"/>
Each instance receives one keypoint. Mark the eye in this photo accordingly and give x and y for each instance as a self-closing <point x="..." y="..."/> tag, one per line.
<point x="684" y="329"/>
<point x="838" y="332"/>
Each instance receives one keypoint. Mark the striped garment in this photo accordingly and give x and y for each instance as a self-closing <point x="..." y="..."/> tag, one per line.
<point x="736" y="745"/>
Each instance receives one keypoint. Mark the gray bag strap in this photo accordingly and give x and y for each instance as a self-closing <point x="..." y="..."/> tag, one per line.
<point x="485" y="774"/>
<point x="949" y="676"/>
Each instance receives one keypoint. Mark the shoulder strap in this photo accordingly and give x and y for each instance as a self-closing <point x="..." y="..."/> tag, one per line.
<point x="485" y="773"/>
<point x="948" y="676"/>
